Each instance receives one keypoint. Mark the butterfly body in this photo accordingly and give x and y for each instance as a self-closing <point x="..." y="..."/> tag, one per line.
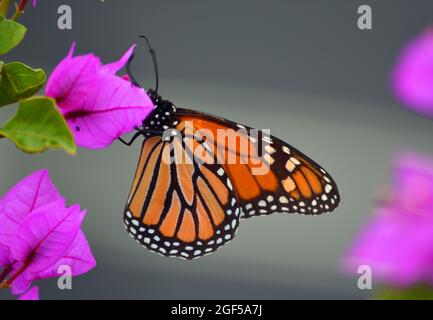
<point x="193" y="205"/>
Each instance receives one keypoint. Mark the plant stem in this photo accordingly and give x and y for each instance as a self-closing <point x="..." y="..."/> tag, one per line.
<point x="5" y="273"/>
<point x="19" y="10"/>
<point x="12" y="278"/>
<point x="4" y="6"/>
<point x="8" y="282"/>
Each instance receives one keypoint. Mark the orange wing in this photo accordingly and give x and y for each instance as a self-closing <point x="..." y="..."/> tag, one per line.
<point x="178" y="207"/>
<point x="188" y="191"/>
<point x="269" y="175"/>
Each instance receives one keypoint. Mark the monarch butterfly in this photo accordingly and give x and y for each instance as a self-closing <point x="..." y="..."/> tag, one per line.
<point x="189" y="209"/>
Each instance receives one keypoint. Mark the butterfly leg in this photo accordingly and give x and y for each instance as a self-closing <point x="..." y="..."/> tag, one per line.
<point x="130" y="142"/>
<point x="144" y="132"/>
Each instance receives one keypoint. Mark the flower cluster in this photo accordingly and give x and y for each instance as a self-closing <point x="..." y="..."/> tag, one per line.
<point x="398" y="243"/>
<point x="412" y="78"/>
<point x="38" y="234"/>
<point x="98" y="106"/>
<point x="86" y="103"/>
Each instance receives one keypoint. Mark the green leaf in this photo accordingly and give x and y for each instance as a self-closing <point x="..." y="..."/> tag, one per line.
<point x="18" y="81"/>
<point x="38" y="126"/>
<point x="417" y="292"/>
<point x="11" y="34"/>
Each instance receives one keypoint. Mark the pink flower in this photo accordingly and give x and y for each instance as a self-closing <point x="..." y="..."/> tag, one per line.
<point x="35" y="2"/>
<point x="31" y="294"/>
<point x="98" y="105"/>
<point x="398" y="243"/>
<point x="412" y="78"/>
<point x="39" y="233"/>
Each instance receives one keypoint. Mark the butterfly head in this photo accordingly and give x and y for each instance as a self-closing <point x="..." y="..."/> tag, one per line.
<point x="154" y="96"/>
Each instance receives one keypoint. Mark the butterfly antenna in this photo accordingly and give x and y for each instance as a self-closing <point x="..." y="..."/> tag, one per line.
<point x="155" y="66"/>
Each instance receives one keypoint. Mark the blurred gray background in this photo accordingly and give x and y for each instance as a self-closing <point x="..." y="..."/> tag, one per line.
<point x="301" y="68"/>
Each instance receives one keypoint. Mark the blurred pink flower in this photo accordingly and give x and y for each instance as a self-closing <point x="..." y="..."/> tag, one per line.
<point x="31" y="294"/>
<point x="398" y="243"/>
<point x="412" y="77"/>
<point x="98" y="105"/>
<point x="35" y="2"/>
<point x="38" y="234"/>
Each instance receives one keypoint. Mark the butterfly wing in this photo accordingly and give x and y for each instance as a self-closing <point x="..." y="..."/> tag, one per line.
<point x="179" y="207"/>
<point x="188" y="190"/>
<point x="270" y="175"/>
